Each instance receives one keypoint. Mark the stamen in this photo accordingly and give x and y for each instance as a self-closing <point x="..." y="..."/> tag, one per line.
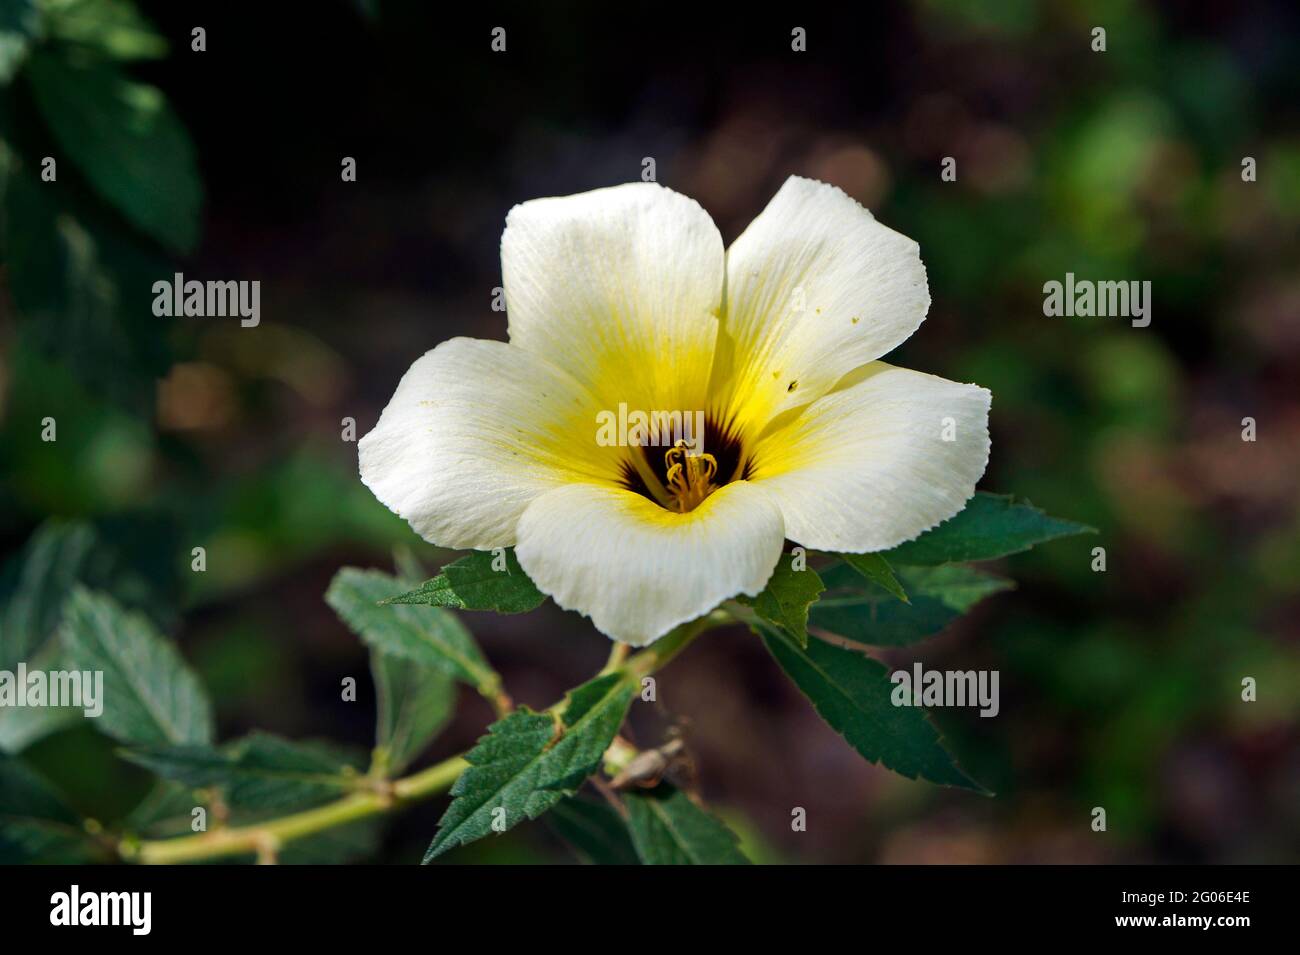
<point x="681" y="480"/>
<point x="689" y="477"/>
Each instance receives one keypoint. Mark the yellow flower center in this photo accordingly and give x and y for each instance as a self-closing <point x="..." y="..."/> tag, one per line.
<point x="689" y="477"/>
<point x="684" y="477"/>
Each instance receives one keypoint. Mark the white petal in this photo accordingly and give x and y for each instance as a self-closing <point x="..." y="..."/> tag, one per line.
<point x="867" y="466"/>
<point x="638" y="570"/>
<point x="621" y="287"/>
<point x="475" y="431"/>
<point x="815" y="288"/>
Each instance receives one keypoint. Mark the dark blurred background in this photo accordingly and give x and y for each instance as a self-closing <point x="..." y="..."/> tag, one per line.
<point x="1119" y="689"/>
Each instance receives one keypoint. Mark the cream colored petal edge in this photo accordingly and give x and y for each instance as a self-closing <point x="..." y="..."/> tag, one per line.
<point x="621" y="287"/>
<point x="815" y="288"/>
<point x="637" y="570"/>
<point x="869" y="465"/>
<point x="475" y="431"/>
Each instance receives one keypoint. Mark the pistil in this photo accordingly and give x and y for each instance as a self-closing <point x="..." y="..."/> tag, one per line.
<point x="689" y="477"/>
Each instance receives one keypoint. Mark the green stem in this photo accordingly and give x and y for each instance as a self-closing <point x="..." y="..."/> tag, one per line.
<point x="497" y="698"/>
<point x="662" y="651"/>
<point x="270" y="836"/>
<point x="617" y="656"/>
<point x="265" y="839"/>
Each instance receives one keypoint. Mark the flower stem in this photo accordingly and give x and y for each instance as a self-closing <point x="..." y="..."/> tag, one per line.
<point x="268" y="837"/>
<point x="660" y="653"/>
<point x="265" y="839"/>
<point x="617" y="654"/>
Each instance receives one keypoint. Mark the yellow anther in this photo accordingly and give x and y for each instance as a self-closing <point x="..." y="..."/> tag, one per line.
<point x="689" y="476"/>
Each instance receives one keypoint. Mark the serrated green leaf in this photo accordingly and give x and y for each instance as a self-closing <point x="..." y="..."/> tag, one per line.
<point x="786" y="598"/>
<point x="991" y="525"/>
<point x="276" y="775"/>
<point x="876" y="569"/>
<point x="428" y="636"/>
<point x="669" y="829"/>
<point x="414" y="703"/>
<point x="21" y="726"/>
<point x="865" y="613"/>
<point x="151" y="697"/>
<point x="956" y="586"/>
<point x="262" y="772"/>
<point x="596" y="833"/>
<point x="522" y="769"/>
<point x="33" y="588"/>
<point x="35" y="823"/>
<point x="503" y="773"/>
<point x="127" y="143"/>
<point x="167" y="810"/>
<point x="35" y="585"/>
<point x="473" y="583"/>
<point x="851" y="692"/>
<point x="32" y="591"/>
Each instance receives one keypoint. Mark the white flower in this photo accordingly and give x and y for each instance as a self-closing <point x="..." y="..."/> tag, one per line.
<point x="626" y="296"/>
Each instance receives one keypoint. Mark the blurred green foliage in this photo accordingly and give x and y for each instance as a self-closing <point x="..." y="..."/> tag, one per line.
<point x="82" y="148"/>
